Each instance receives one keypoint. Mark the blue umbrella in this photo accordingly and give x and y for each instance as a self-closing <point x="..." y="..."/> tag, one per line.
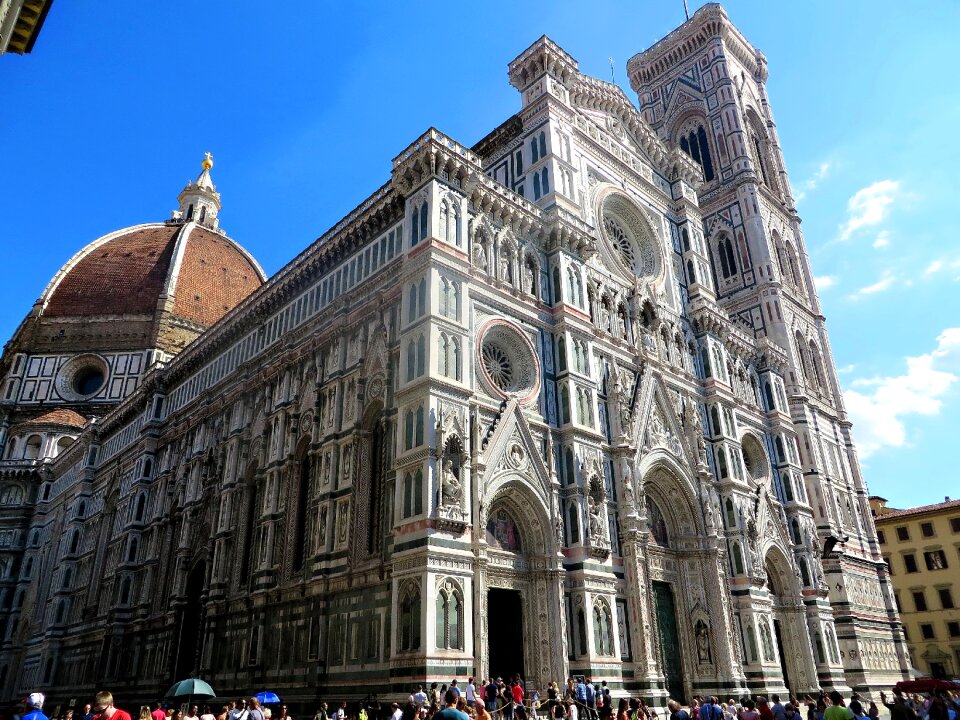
<point x="267" y="697"/>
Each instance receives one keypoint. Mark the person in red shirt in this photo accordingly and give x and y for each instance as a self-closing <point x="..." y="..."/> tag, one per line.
<point x="158" y="712"/>
<point x="104" y="709"/>
<point x="519" y="711"/>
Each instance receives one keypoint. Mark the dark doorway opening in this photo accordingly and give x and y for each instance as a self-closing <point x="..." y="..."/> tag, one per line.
<point x="191" y="625"/>
<point x="672" y="662"/>
<point x="781" y="651"/>
<point x="505" y="633"/>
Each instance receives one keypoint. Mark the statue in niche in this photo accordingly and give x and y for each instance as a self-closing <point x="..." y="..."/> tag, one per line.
<point x="702" y="635"/>
<point x="766" y="641"/>
<point x="528" y="284"/>
<point x="322" y="529"/>
<point x="709" y="513"/>
<point x="342" y="517"/>
<point x="628" y="492"/>
<point x="451" y="489"/>
<point x="479" y="255"/>
<point x="506" y="267"/>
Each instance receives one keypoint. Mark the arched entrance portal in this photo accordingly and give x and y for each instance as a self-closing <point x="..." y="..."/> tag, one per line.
<point x="191" y="623"/>
<point x="518" y="591"/>
<point x="790" y="634"/>
<point x="505" y="605"/>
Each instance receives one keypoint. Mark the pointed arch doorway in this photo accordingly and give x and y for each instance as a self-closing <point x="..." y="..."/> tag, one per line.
<point x="518" y="592"/>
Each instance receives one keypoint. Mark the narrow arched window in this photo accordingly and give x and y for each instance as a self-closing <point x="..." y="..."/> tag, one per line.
<point x="561" y="354"/>
<point x="534" y="150"/>
<point x="141" y="506"/>
<point x="536" y="186"/>
<point x="444" y="217"/>
<point x="418" y="492"/>
<point x="424" y="218"/>
<point x="409" y="619"/>
<point x="408" y="433"/>
<point x="795" y="532"/>
<point x="412" y="304"/>
<point x="722" y="462"/>
<point x="705" y="160"/>
<point x="419" y="427"/>
<point x="691" y="275"/>
<point x="407" y="495"/>
<point x="564" y="405"/>
<point x="543" y="144"/>
<point x="545" y="182"/>
<point x="573" y="522"/>
<point x="421" y="354"/>
<point x="411" y="360"/>
<point x="731" y="516"/>
<point x="737" y="555"/>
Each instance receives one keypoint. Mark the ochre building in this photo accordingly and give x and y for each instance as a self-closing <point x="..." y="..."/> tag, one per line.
<point x="559" y="403"/>
<point x="922" y="548"/>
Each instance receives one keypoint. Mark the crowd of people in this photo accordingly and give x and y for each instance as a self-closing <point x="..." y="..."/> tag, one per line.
<point x="580" y="699"/>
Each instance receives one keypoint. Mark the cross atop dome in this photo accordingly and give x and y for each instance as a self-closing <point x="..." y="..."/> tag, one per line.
<point x="199" y="200"/>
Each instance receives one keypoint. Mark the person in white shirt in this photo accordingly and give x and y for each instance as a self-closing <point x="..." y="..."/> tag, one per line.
<point x="471" y="693"/>
<point x="419" y="697"/>
<point x="397" y="712"/>
<point x="573" y="712"/>
<point x="207" y="715"/>
<point x="192" y="715"/>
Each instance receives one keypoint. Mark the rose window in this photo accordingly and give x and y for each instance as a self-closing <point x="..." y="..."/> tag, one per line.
<point x="507" y="361"/>
<point x="498" y="366"/>
<point x="620" y="241"/>
<point x="631" y="244"/>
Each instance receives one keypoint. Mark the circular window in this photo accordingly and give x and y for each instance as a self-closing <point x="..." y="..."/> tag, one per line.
<point x="82" y="377"/>
<point x="498" y="366"/>
<point x="88" y="380"/>
<point x="628" y="237"/>
<point x="508" y="361"/>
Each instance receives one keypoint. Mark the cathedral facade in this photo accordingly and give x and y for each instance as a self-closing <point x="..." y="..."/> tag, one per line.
<point x="561" y="403"/>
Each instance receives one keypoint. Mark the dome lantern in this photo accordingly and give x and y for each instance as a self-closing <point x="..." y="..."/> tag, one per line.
<point x="199" y="200"/>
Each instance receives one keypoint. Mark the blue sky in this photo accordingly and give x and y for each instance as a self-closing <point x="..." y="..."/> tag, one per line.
<point x="304" y="109"/>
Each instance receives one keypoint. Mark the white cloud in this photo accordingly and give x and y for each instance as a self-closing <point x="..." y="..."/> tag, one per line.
<point x="824" y="281"/>
<point x="883" y="240"/>
<point x="810" y="184"/>
<point x="878" y="406"/>
<point x="869" y="206"/>
<point x="934" y="267"/>
<point x="884" y="283"/>
<point x="846" y="369"/>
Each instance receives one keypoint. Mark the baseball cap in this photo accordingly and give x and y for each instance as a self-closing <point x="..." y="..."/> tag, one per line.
<point x="35" y="699"/>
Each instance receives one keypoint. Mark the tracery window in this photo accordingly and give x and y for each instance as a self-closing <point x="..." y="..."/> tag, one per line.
<point x="728" y="262"/>
<point x="450" y="616"/>
<point x="413" y="428"/>
<point x="694" y="143"/>
<point x="449" y="298"/>
<point x="409" y="625"/>
<point x="448" y="356"/>
<point x="412" y="494"/>
<point x="419" y="223"/>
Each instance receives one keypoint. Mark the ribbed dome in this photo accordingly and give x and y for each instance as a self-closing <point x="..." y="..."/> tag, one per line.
<point x="193" y="272"/>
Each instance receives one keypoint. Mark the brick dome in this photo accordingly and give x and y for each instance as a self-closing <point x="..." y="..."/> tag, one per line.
<point x="195" y="273"/>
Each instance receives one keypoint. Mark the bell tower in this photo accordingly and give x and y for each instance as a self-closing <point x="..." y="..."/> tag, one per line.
<point x="703" y="89"/>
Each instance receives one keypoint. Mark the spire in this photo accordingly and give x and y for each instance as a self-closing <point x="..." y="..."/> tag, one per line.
<point x="199" y="200"/>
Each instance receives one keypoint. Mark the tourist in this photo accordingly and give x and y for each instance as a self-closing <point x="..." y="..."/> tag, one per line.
<point x="239" y="711"/>
<point x="710" y="710"/>
<point x="224" y="712"/>
<point x="519" y="711"/>
<point x="35" y="705"/>
<point x="254" y="711"/>
<point x="192" y="715"/>
<point x="321" y="713"/>
<point x="749" y="711"/>
<point x="207" y="715"/>
<point x="534" y="704"/>
<point x="490" y="696"/>
<point x="434" y="694"/>
<point x="144" y="713"/>
<point x="104" y="709"/>
<point x="341" y="712"/>
<point x="676" y="712"/>
<point x="158" y="712"/>
<point x="471" y="692"/>
<point x="874" y="712"/>
<point x="777" y="709"/>
<point x="419" y="697"/>
<point x="623" y="709"/>
<point x="450" y="712"/>
<point x="763" y="707"/>
<point x="481" y="710"/>
<point x="589" y="698"/>
<point x="857" y="709"/>
<point x="283" y="713"/>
